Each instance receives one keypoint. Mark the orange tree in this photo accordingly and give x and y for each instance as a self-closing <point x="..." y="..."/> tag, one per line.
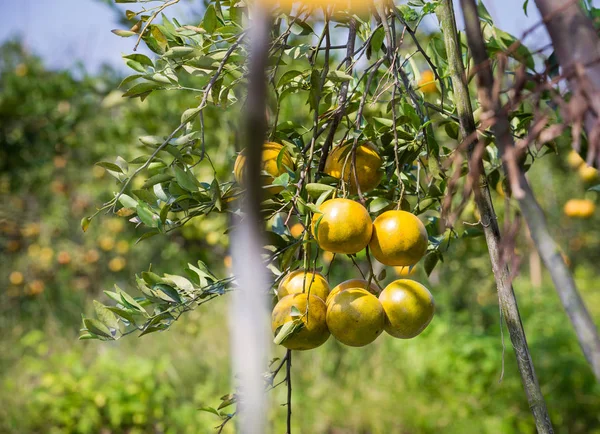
<point x="361" y="137"/>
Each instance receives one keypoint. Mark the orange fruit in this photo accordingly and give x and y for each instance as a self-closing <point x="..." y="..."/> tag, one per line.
<point x="353" y="284"/>
<point x="117" y="264"/>
<point x="300" y="281"/>
<point x="579" y="208"/>
<point x="408" y="306"/>
<point x="405" y="271"/>
<point x="64" y="257"/>
<point x="297" y="230"/>
<point x="587" y="173"/>
<point x="574" y="160"/>
<point x="427" y="82"/>
<point x="355" y="317"/>
<point x="399" y="238"/>
<point x="344" y="226"/>
<point x="16" y="278"/>
<point x="368" y="166"/>
<point x="314" y="333"/>
<point x="270" y="154"/>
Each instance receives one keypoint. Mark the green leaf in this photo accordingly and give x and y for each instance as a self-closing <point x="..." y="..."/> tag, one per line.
<point x="110" y="166"/>
<point x="128" y="201"/>
<point x="166" y="293"/>
<point x="209" y="23"/>
<point x="106" y="317"/>
<point x="210" y="410"/>
<point x="227" y="401"/>
<point x="85" y="223"/>
<point x="186" y="179"/>
<point x="484" y="15"/>
<point x="378" y="204"/>
<point x="179" y="52"/>
<point x="157" y="179"/>
<point x="315" y="189"/>
<point x="146" y="215"/>
<point x="123" y="33"/>
<point x="140" y="58"/>
<point x="594" y="188"/>
<point x="377" y="39"/>
<point x="287" y="330"/>
<point x="141" y="89"/>
<point x="190" y="114"/>
<point x="452" y="130"/>
<point x="338" y="76"/>
<point x="97" y="328"/>
<point x="430" y="262"/>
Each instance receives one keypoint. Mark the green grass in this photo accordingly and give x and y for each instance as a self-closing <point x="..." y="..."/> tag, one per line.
<point x="447" y="380"/>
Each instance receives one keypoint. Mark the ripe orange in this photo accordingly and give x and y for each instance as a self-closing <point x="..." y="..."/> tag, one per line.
<point x="117" y="264"/>
<point x="399" y="238"/>
<point x="297" y="230"/>
<point x="368" y="166"/>
<point x="16" y="278"/>
<point x="579" y="208"/>
<point x="574" y="160"/>
<point x="63" y="257"/>
<point x="270" y="154"/>
<point x="353" y="284"/>
<point x="427" y="82"/>
<point x="405" y="271"/>
<point x="587" y="173"/>
<point x="303" y="281"/>
<point x="355" y="317"/>
<point x="408" y="306"/>
<point x="344" y="226"/>
<point x="314" y="333"/>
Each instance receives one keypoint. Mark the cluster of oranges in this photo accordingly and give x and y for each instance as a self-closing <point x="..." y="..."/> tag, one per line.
<point x="581" y="208"/>
<point x="356" y="311"/>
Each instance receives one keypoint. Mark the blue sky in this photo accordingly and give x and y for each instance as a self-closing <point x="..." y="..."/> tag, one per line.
<point x="66" y="31"/>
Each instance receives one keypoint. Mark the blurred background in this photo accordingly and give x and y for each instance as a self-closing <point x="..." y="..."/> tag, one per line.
<point x="60" y="113"/>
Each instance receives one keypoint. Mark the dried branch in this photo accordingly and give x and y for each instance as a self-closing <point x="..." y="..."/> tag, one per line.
<point x="339" y="114"/>
<point x="533" y="214"/>
<point x="506" y="295"/>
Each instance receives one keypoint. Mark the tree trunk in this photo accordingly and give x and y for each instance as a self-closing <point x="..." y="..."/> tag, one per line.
<point x="575" y="43"/>
<point x="532" y="212"/>
<point x="506" y="295"/>
<point x="249" y="313"/>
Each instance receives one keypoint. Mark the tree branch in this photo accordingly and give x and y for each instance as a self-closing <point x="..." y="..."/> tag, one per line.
<point x="339" y="114"/>
<point x="577" y="48"/>
<point x="506" y="295"/>
<point x="585" y="328"/>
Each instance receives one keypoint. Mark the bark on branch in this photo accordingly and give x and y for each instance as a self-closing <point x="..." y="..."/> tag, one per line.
<point x="585" y="328"/>
<point x="577" y="48"/>
<point x="506" y="295"/>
